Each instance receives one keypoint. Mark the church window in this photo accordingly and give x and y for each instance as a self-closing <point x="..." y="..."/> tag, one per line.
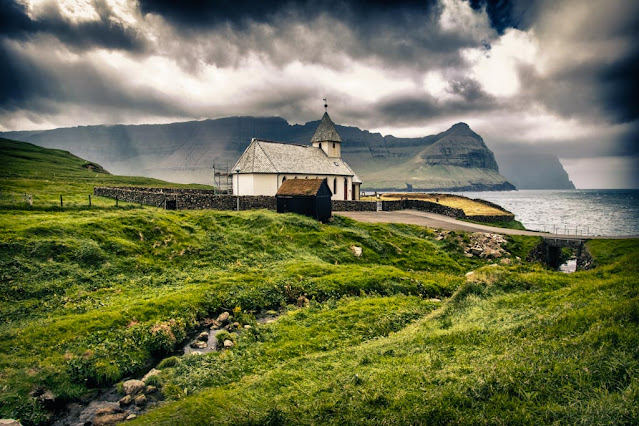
<point x="320" y="145"/>
<point x="335" y="186"/>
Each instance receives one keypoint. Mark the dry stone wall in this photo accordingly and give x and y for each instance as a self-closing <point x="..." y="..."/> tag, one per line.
<point x="188" y="199"/>
<point x="354" y="206"/>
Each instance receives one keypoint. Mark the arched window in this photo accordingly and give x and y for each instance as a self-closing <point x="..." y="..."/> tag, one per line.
<point x="333" y="144"/>
<point x="335" y="186"/>
<point x="284" y="179"/>
<point x="320" y="145"/>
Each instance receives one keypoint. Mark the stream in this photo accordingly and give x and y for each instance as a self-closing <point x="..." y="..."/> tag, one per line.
<point x="108" y="406"/>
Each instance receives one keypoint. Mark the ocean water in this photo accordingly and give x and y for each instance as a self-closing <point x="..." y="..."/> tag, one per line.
<point x="581" y="212"/>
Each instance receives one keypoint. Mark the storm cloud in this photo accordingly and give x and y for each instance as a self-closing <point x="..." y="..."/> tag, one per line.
<point x="556" y="75"/>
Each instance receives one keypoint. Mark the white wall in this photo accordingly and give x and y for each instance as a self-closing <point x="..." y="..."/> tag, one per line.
<point x="268" y="184"/>
<point x="332" y="149"/>
<point x="255" y="184"/>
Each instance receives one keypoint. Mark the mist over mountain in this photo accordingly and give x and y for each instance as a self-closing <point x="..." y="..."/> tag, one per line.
<point x="185" y="152"/>
<point x="528" y="168"/>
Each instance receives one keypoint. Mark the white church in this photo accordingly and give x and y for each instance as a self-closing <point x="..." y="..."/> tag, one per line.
<point x="264" y="165"/>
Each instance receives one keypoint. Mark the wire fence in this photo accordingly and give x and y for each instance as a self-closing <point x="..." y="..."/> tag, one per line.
<point x="562" y="229"/>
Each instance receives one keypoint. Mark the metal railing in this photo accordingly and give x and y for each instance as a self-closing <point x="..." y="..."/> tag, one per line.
<point x="560" y="229"/>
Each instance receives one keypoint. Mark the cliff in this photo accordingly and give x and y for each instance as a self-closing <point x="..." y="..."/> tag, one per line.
<point x="185" y="152"/>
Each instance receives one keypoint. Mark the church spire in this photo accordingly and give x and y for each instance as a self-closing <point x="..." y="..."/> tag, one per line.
<point x="326" y="131"/>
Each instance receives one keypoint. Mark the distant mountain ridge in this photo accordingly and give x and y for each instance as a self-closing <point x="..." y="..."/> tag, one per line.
<point x="185" y="152"/>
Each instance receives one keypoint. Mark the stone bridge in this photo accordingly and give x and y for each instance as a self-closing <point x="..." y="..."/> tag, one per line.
<point x="551" y="251"/>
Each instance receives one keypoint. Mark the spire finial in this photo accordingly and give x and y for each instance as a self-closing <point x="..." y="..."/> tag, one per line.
<point x="325" y="105"/>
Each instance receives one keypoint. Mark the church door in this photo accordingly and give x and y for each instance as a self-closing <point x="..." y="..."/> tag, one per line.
<point x="345" y="189"/>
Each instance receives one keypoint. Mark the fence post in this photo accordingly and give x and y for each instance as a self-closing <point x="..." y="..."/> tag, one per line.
<point x="89" y="200"/>
<point x="61" y="201"/>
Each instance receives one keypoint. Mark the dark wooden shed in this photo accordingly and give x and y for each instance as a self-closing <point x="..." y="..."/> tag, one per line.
<point x="310" y="197"/>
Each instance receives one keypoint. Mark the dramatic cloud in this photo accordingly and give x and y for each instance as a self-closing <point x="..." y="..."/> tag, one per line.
<point x="560" y="76"/>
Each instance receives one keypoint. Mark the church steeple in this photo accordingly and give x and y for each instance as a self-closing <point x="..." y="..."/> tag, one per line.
<point x="327" y="138"/>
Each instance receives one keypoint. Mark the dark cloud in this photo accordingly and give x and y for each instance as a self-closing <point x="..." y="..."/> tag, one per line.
<point x="504" y="14"/>
<point x="618" y="87"/>
<point x="106" y="32"/>
<point x="47" y="85"/>
<point x="416" y="109"/>
<point x="207" y="13"/>
<point x="404" y="32"/>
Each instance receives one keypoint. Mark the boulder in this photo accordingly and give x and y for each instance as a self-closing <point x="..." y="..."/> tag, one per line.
<point x="151" y="373"/>
<point x="9" y="422"/>
<point x="198" y="345"/>
<point x="357" y="251"/>
<point x="109" y="415"/>
<point x="302" y="301"/>
<point x="223" y="318"/>
<point x="131" y="417"/>
<point x="140" y="400"/>
<point x="228" y="344"/>
<point x="203" y="336"/>
<point x="132" y="387"/>
<point x="125" y="401"/>
<point x="150" y="390"/>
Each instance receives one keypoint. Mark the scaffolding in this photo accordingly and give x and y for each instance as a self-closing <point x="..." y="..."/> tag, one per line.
<point x="222" y="179"/>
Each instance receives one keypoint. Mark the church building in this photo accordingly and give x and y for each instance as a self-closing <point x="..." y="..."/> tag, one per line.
<point x="265" y="165"/>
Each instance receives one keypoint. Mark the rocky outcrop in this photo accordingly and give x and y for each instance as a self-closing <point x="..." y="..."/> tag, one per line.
<point x="458" y="146"/>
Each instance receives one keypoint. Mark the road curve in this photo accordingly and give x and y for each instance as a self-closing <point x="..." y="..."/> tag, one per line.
<point x="438" y="221"/>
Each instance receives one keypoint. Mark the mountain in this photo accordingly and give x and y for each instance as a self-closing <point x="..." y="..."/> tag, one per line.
<point x="455" y="159"/>
<point x="528" y="168"/>
<point x="185" y="152"/>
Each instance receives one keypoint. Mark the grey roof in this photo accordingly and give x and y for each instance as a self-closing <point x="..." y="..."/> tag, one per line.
<point x="263" y="156"/>
<point x="326" y="131"/>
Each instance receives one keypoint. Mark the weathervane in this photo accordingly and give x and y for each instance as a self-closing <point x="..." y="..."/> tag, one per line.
<point x="325" y="106"/>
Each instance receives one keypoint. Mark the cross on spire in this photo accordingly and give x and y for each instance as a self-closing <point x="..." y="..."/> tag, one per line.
<point x="325" y="105"/>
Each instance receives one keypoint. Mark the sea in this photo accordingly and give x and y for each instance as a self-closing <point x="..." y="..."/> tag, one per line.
<point x="610" y="212"/>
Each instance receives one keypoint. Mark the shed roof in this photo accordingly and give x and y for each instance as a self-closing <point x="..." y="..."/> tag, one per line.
<point x="264" y="156"/>
<point x="301" y="187"/>
<point x="326" y="131"/>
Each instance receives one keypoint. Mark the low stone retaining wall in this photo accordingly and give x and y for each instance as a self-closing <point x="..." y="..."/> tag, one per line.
<point x="429" y="206"/>
<point x="496" y="218"/>
<point x="189" y="199"/>
<point x="354" y="206"/>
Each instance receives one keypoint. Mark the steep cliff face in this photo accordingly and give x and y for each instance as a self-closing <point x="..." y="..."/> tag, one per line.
<point x="458" y="146"/>
<point x="457" y="159"/>
<point x="185" y="152"/>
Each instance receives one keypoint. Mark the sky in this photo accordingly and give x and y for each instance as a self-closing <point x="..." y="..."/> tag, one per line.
<point x="560" y="76"/>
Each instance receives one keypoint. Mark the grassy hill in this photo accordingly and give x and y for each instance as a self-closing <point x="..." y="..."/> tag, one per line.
<point x="89" y="297"/>
<point x="48" y="173"/>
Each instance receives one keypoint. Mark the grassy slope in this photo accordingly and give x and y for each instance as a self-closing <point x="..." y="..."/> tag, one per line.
<point x="48" y="173"/>
<point x="89" y="296"/>
<point x="512" y="346"/>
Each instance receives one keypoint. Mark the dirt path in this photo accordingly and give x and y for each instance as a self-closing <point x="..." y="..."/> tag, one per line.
<point x="433" y="220"/>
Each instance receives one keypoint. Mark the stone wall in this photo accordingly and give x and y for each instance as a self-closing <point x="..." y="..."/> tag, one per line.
<point x="354" y="206"/>
<point x="429" y="206"/>
<point x="178" y="198"/>
<point x="496" y="218"/>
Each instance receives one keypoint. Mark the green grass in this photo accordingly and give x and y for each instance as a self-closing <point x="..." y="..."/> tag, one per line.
<point x="510" y="347"/>
<point x="91" y="296"/>
<point x="46" y="174"/>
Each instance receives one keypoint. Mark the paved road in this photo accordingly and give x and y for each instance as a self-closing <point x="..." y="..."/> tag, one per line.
<point x="433" y="220"/>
